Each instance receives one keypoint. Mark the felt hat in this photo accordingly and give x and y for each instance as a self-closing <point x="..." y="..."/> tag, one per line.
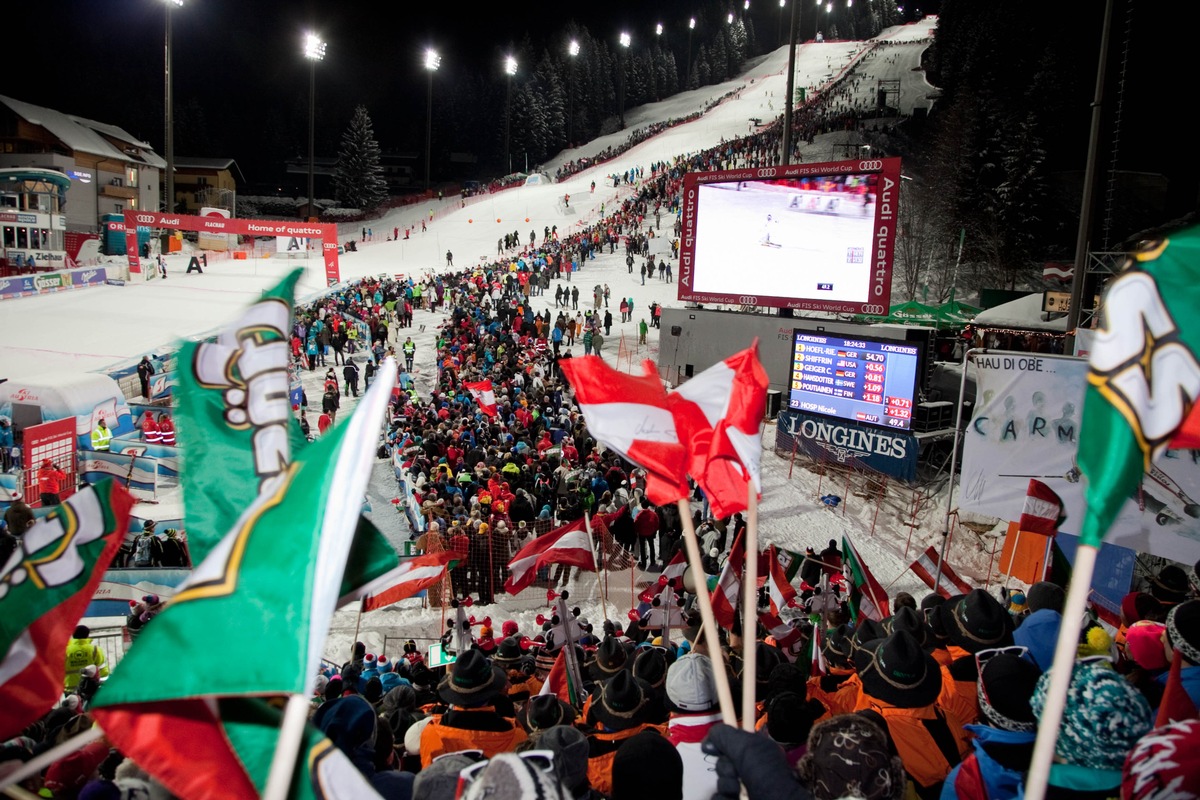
<point x="438" y="781"/>
<point x="650" y="664"/>
<point x="1170" y="585"/>
<point x="848" y="756"/>
<point x="1103" y="718"/>
<point x="570" y="748"/>
<point x="909" y="619"/>
<point x="647" y="765"/>
<point x="838" y="646"/>
<point x="509" y="654"/>
<point x="690" y="685"/>
<point x="472" y="681"/>
<point x="609" y="659"/>
<point x="545" y="711"/>
<point x="1165" y="764"/>
<point x="1183" y="630"/>
<point x="1045" y="594"/>
<point x="976" y="621"/>
<point x="898" y="671"/>
<point x="623" y="702"/>
<point x="1005" y="685"/>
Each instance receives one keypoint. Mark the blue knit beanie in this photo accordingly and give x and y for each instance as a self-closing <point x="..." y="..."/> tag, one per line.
<point x="1103" y="719"/>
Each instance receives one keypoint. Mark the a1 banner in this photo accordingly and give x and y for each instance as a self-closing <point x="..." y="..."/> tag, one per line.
<point x="1026" y="425"/>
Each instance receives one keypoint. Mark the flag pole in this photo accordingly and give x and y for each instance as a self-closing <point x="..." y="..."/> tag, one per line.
<point x="1060" y="672"/>
<point x="283" y="765"/>
<point x="587" y="523"/>
<point x="708" y="622"/>
<point x="39" y="762"/>
<point x="750" y="613"/>
<point x="357" y="623"/>
<point x="962" y="389"/>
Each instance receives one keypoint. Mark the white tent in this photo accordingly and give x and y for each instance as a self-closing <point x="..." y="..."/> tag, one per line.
<point x="1024" y="313"/>
<point x="538" y="179"/>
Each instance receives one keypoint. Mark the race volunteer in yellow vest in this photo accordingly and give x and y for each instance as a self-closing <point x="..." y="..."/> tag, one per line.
<point x="101" y="435"/>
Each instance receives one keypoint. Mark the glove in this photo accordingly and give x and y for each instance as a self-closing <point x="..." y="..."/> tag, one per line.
<point x="754" y="760"/>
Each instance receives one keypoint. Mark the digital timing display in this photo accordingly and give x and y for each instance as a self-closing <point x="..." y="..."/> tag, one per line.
<point x="870" y="381"/>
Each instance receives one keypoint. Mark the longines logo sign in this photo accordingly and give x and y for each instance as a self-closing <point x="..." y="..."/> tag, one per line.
<point x="830" y="440"/>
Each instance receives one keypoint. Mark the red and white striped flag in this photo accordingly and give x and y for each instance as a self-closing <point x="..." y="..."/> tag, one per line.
<point x="412" y="576"/>
<point x="484" y="395"/>
<point x="1043" y="511"/>
<point x="729" y="585"/>
<point x="568" y="545"/>
<point x="819" y="667"/>
<point x="719" y="416"/>
<point x="948" y="583"/>
<point x="779" y="590"/>
<point x="1053" y="270"/>
<point x="675" y="568"/>
<point x="629" y="414"/>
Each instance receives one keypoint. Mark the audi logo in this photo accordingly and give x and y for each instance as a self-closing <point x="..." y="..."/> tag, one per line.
<point x="766" y="173"/>
<point x="747" y="300"/>
<point x="145" y="218"/>
<point x="868" y="166"/>
<point x="874" y="309"/>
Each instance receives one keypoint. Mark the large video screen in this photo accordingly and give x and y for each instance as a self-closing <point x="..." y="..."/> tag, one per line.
<point x="814" y="237"/>
<point x="866" y="380"/>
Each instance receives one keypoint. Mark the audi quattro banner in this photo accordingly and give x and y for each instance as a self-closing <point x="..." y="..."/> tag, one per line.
<point x="813" y="237"/>
<point x="884" y="450"/>
<point x="327" y="233"/>
<point x="1026" y="425"/>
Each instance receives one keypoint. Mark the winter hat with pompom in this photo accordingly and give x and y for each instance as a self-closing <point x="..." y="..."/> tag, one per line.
<point x="1103" y="718"/>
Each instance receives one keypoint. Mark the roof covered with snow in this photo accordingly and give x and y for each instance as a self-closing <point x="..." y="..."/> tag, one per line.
<point x="1024" y="313"/>
<point x="83" y="135"/>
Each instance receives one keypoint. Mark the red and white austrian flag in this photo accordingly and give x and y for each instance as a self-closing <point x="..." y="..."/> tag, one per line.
<point x="484" y="395"/>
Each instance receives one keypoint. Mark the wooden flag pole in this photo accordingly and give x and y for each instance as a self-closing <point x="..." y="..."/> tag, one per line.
<point x="1060" y="673"/>
<point x="291" y="732"/>
<point x="711" y="636"/>
<point x="602" y="581"/>
<point x="750" y="613"/>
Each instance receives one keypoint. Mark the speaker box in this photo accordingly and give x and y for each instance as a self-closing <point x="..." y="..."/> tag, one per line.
<point x="676" y="330"/>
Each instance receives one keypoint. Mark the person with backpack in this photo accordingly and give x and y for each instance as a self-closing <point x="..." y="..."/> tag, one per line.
<point x="145" y="547"/>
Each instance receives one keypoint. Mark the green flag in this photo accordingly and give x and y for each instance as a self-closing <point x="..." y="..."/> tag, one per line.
<point x="1143" y="376"/>
<point x="45" y="586"/>
<point x="236" y="430"/>
<point x="252" y="618"/>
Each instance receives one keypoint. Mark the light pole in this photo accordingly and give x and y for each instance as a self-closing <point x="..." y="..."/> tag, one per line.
<point x="621" y="70"/>
<point x="169" y="119"/>
<point x="510" y="69"/>
<point x="432" y="62"/>
<point x="658" y="31"/>
<point x="314" y="51"/>
<point x="687" y="74"/>
<point x="782" y="3"/>
<point x="573" y="51"/>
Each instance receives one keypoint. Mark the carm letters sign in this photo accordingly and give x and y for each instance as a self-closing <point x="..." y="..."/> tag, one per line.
<point x="1026" y="425"/>
<point x="326" y="233"/>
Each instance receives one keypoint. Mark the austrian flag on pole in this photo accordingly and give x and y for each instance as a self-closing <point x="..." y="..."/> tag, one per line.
<point x="1043" y="511"/>
<point x="629" y="414"/>
<point x="719" y="416"/>
<point x="568" y="545"/>
<point x="412" y="576"/>
<point x="484" y="395"/>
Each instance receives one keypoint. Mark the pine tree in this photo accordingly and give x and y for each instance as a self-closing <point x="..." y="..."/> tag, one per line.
<point x="359" y="180"/>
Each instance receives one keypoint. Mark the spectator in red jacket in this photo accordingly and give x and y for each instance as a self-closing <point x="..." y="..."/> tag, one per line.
<point x="51" y="480"/>
<point x="645" y="525"/>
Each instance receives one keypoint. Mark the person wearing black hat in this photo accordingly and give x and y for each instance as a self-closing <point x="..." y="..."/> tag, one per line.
<point x="518" y="665"/>
<point x="545" y="711"/>
<point x="621" y="712"/>
<point x="472" y="721"/>
<point x="1182" y="637"/>
<point x="1002" y="742"/>
<point x="1169" y="586"/>
<point x="647" y="766"/>
<point x="650" y="665"/>
<point x="974" y="622"/>
<point x="901" y="683"/>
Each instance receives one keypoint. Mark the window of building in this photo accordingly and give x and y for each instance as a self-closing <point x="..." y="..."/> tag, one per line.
<point x="10" y="236"/>
<point x="22" y="238"/>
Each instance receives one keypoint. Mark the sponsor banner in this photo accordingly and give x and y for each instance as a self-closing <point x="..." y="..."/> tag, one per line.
<point x="1026" y="425"/>
<point x="95" y="465"/>
<point x="46" y="282"/>
<point x="408" y="499"/>
<point x="326" y="232"/>
<point x="891" y="452"/>
<point x="165" y="456"/>
<point x="295" y="245"/>
<point x="119" y="586"/>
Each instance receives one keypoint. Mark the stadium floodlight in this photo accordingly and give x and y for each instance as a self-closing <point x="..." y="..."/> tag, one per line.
<point x="510" y="69"/>
<point x="729" y="18"/>
<point x="658" y="29"/>
<point x="169" y="118"/>
<point x="573" y="50"/>
<point x="314" y="51"/>
<point x="432" y="62"/>
<point x="625" y="41"/>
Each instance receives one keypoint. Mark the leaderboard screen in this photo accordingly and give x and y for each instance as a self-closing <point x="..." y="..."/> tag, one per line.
<point x="866" y="380"/>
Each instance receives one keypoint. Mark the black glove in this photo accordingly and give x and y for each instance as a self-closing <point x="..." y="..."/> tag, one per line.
<point x="754" y="760"/>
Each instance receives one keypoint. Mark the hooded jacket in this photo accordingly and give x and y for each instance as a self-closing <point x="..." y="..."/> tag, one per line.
<point x="996" y="768"/>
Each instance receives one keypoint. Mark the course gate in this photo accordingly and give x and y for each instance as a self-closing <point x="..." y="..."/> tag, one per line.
<point x="326" y="232"/>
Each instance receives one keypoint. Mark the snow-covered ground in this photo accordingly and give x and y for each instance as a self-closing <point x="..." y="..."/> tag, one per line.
<point x="93" y="328"/>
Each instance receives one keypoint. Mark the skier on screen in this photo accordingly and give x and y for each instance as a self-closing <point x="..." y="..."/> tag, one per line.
<point x="768" y="228"/>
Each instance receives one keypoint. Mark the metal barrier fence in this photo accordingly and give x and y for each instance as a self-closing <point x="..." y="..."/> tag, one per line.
<point x="112" y="641"/>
